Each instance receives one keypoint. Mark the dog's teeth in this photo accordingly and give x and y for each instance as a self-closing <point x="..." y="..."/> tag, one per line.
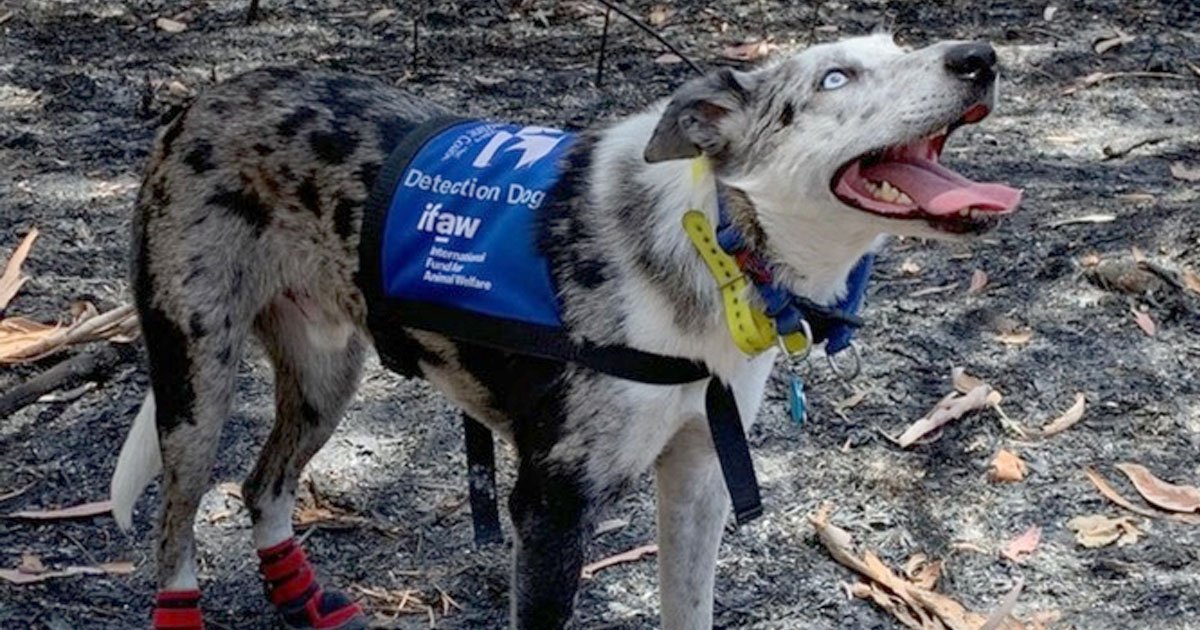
<point x="965" y="212"/>
<point x="887" y="192"/>
<point x="904" y="199"/>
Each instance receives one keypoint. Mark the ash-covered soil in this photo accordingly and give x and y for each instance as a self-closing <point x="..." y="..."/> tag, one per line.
<point x="83" y="85"/>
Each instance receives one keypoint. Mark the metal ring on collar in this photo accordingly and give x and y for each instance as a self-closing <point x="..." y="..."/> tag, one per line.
<point x="842" y="372"/>
<point x="808" y="343"/>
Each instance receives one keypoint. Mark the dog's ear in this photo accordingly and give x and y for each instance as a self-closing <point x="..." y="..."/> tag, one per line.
<point x="692" y="122"/>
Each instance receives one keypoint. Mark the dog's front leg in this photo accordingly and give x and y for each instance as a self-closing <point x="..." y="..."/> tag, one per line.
<point x="692" y="507"/>
<point x="548" y="511"/>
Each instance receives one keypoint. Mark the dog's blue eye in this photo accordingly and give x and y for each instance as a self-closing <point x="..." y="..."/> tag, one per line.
<point x="834" y="79"/>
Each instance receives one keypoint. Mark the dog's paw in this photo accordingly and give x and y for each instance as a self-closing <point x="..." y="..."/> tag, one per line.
<point x="302" y="603"/>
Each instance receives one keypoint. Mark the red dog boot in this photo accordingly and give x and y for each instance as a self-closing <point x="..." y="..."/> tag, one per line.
<point x="303" y="604"/>
<point x="178" y="610"/>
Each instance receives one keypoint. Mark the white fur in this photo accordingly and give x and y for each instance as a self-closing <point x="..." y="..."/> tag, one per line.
<point x="139" y="463"/>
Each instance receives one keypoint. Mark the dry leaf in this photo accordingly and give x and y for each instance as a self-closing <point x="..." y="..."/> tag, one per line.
<point x="1167" y="496"/>
<point x="1097" y="530"/>
<point x="79" y="511"/>
<point x="170" y="26"/>
<point x="668" y="59"/>
<point x="1045" y="619"/>
<point x="951" y="407"/>
<point x="1191" y="280"/>
<point x="910" y="603"/>
<point x="910" y="267"/>
<point x="1144" y="321"/>
<point x="1068" y="419"/>
<point x="31" y="564"/>
<point x="22" y="340"/>
<point x="1106" y="44"/>
<point x="1022" y="547"/>
<point x="16" y="576"/>
<point x="979" y="280"/>
<point x="379" y="16"/>
<point x="659" y="14"/>
<point x="922" y="572"/>
<point x="1111" y="493"/>
<point x="633" y="555"/>
<point x="1090" y="218"/>
<point x="749" y="51"/>
<point x="309" y="515"/>
<point x="1181" y="171"/>
<point x="1015" y="337"/>
<point x="1048" y="12"/>
<point x="179" y="90"/>
<point x="12" y="279"/>
<point x="964" y="382"/>
<point x="1090" y="260"/>
<point x="1007" y="467"/>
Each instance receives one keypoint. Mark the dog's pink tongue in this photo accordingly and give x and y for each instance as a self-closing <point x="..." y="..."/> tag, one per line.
<point x="941" y="191"/>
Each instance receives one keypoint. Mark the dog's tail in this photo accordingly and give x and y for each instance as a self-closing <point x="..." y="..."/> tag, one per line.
<point x="140" y="462"/>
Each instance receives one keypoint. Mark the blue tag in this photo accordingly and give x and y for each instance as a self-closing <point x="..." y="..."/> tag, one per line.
<point x="798" y="399"/>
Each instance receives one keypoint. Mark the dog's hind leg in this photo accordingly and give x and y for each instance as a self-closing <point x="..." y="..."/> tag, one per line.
<point x="692" y="507"/>
<point x="317" y="360"/>
<point x="194" y="337"/>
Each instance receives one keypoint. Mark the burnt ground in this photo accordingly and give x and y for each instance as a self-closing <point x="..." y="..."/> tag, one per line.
<point x="83" y="85"/>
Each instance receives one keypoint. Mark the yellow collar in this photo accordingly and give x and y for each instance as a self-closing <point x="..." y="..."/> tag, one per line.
<point x="751" y="329"/>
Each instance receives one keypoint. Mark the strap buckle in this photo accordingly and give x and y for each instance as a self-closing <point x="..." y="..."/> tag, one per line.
<point x="846" y="373"/>
<point x="800" y="355"/>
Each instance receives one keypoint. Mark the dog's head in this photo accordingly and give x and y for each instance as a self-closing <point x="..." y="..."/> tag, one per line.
<point x="845" y="134"/>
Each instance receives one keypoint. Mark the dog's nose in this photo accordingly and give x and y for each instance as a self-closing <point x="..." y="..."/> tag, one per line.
<point x="974" y="62"/>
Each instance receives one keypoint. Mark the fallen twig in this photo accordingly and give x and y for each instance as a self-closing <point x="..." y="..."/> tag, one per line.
<point x="651" y="32"/>
<point x="1089" y="218"/>
<point x="91" y="365"/>
<point x="1002" y="612"/>
<point x="84" y="510"/>
<point x="633" y="555"/>
<point x="1096" y="78"/>
<point x="18" y="492"/>
<point x="603" y="49"/>
<point x="1113" y="152"/>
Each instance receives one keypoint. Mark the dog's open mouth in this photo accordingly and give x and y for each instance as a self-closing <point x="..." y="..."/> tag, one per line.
<point x="907" y="182"/>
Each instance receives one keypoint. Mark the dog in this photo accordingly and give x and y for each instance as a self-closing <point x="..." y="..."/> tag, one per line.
<point x="249" y="221"/>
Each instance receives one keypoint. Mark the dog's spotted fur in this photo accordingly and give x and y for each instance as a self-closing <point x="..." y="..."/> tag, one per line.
<point x="248" y="224"/>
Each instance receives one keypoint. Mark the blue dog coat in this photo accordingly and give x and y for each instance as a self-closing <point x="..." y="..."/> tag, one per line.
<point x="460" y="227"/>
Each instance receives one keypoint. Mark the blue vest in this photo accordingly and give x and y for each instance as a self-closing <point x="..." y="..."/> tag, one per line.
<point x="461" y="224"/>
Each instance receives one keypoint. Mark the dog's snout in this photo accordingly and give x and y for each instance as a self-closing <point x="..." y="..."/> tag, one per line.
<point x="974" y="62"/>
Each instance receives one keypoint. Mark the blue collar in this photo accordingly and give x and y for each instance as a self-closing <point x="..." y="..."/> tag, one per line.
<point x="832" y="324"/>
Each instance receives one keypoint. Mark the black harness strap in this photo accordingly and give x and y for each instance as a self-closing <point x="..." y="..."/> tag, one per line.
<point x="481" y="480"/>
<point x="725" y="424"/>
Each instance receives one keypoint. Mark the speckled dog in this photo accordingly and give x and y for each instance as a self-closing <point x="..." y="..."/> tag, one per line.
<point x="248" y="224"/>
